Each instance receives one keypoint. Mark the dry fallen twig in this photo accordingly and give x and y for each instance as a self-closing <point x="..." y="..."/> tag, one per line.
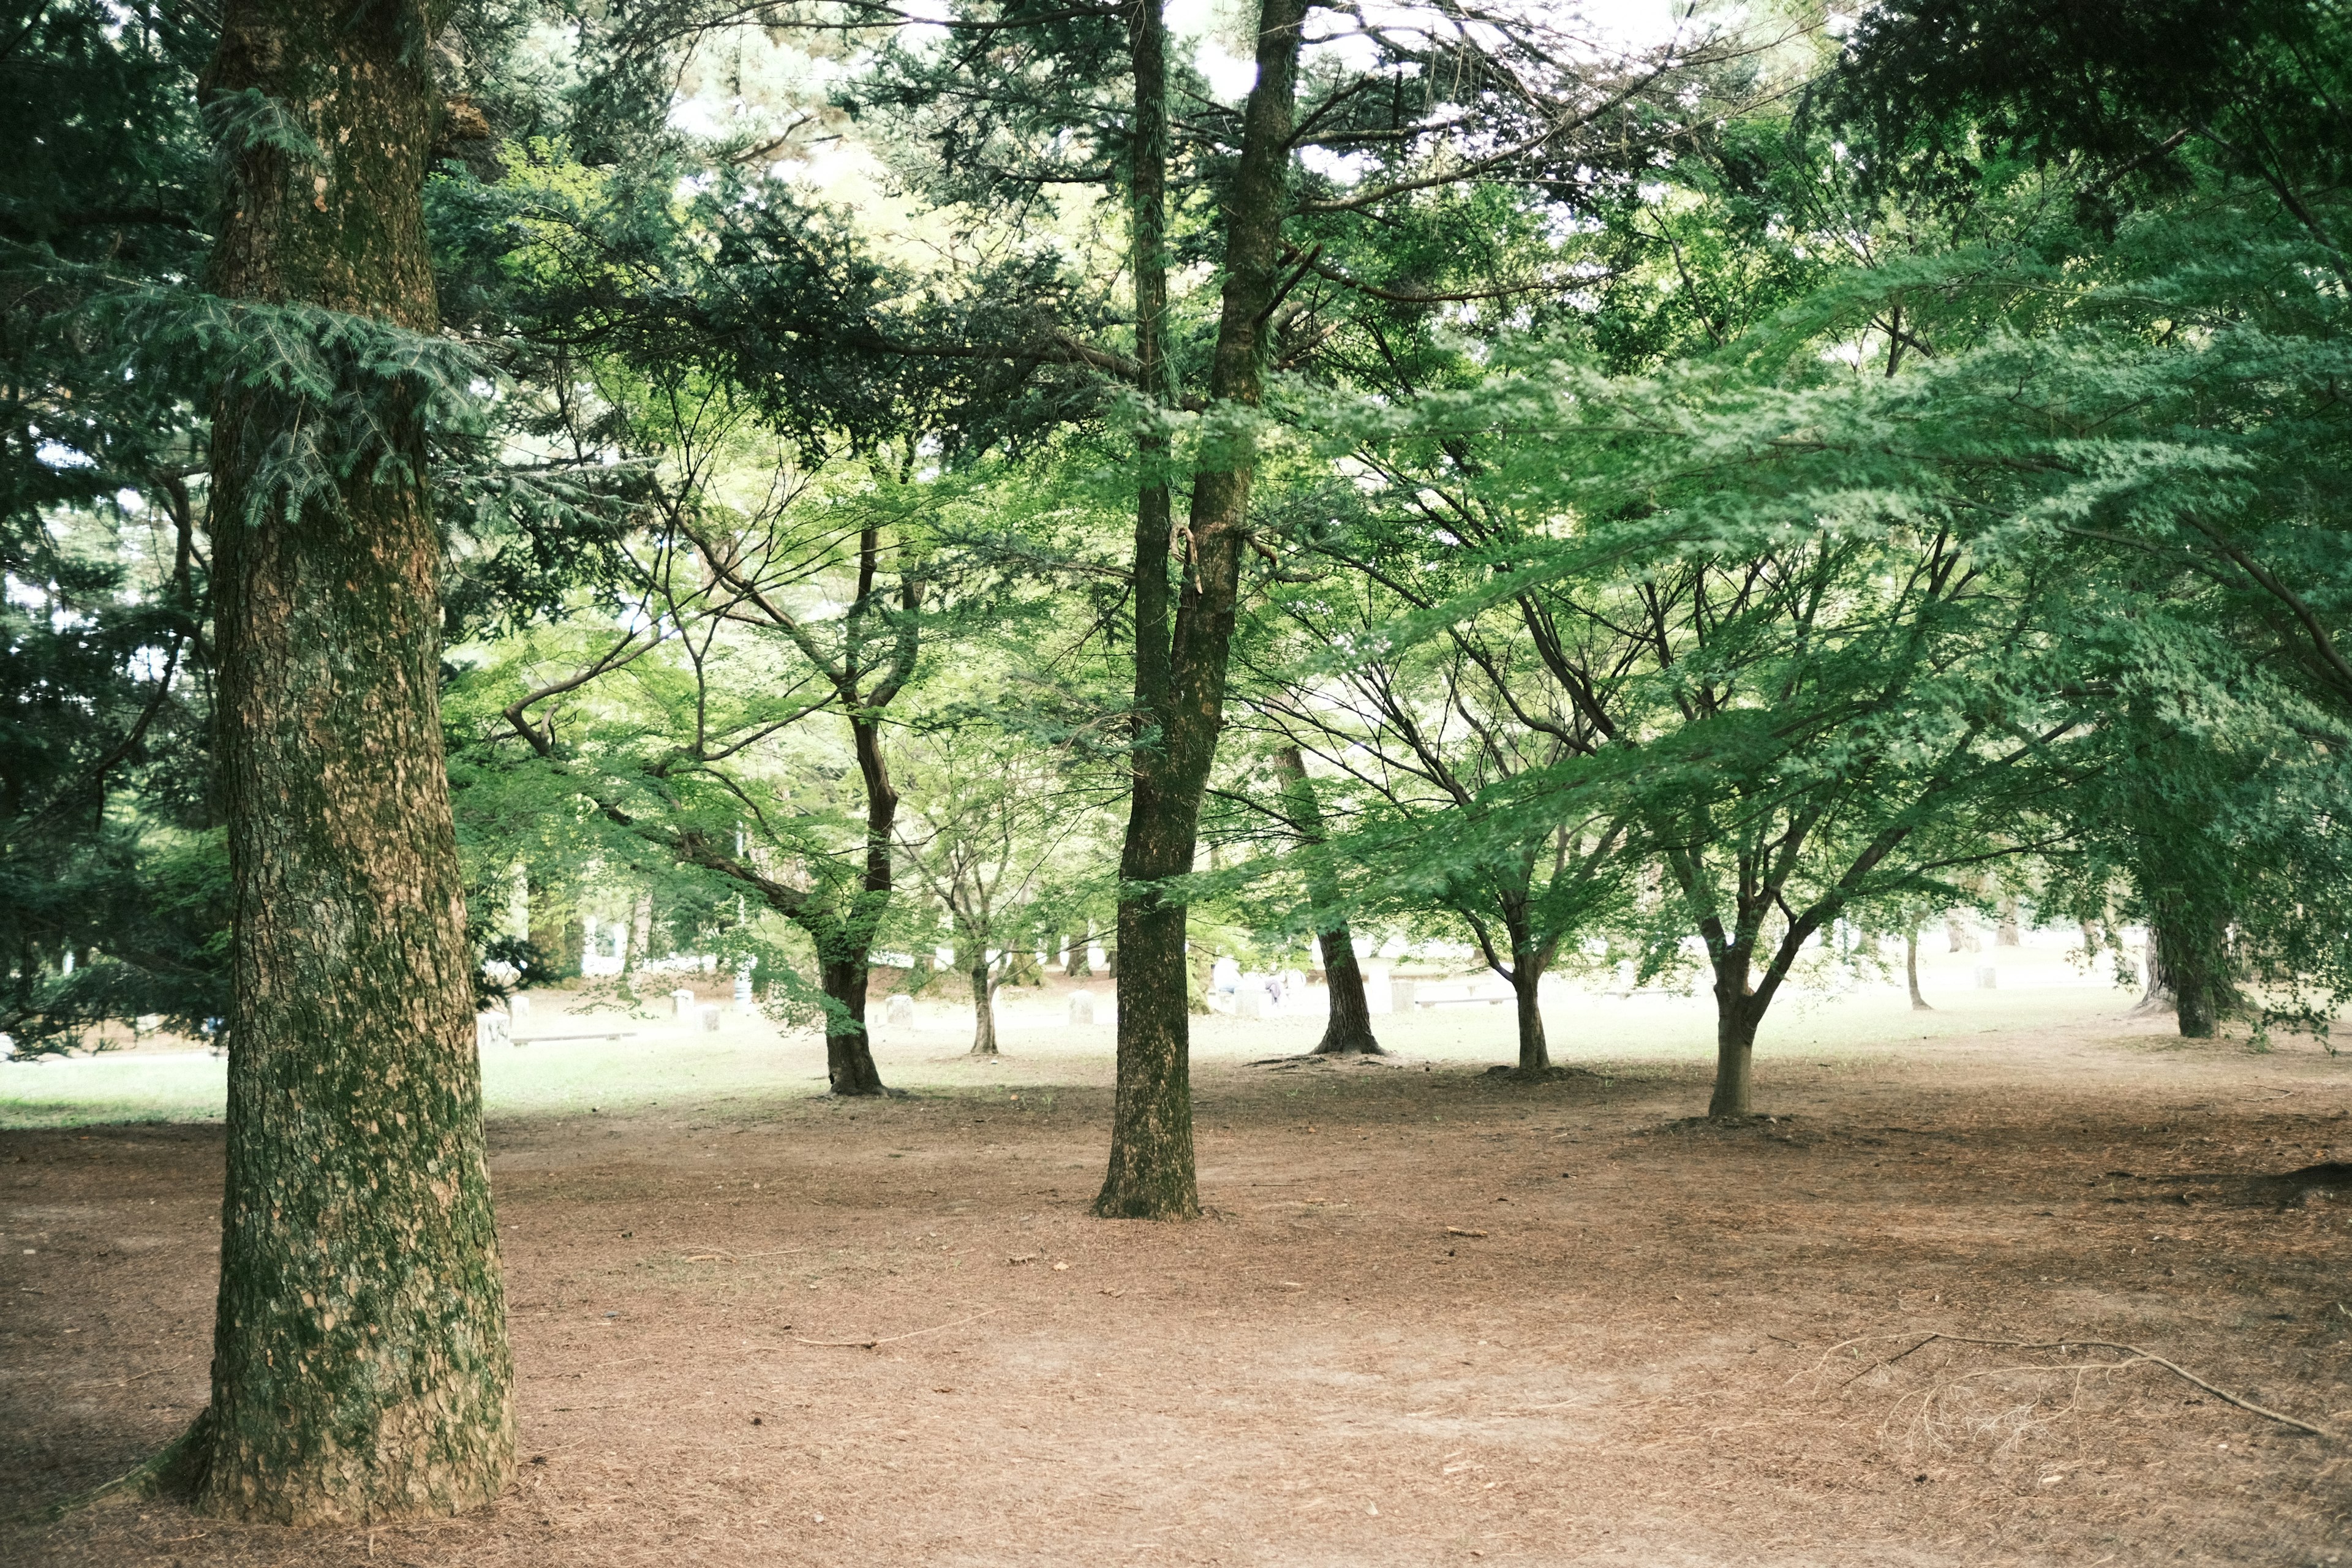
<point x="893" y="1339"/>
<point x="2134" y="1351"/>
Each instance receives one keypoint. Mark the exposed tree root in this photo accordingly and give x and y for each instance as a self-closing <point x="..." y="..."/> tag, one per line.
<point x="172" y="1471"/>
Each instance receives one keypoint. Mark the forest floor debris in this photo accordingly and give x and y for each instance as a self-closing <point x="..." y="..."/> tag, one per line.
<point x="1632" y="1369"/>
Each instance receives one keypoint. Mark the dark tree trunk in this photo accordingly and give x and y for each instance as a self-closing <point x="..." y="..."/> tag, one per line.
<point x="1911" y="967"/>
<point x="1736" y="1017"/>
<point x="1535" y="1055"/>
<point x="1738" y="1008"/>
<point x="360" y="1363"/>
<point x="2192" y="950"/>
<point x="1348" y="1031"/>
<point x="848" y="1050"/>
<point x="1180" y="694"/>
<point x="984" y="1009"/>
<point x="1078" y="967"/>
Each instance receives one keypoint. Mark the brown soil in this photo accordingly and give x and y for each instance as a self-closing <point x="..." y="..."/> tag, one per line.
<point x="1435" y="1317"/>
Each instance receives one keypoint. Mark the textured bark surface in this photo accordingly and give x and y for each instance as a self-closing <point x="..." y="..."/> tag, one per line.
<point x="1735" y="1053"/>
<point x="1181" y="692"/>
<point x="1535" y="1052"/>
<point x="984" y="1009"/>
<point x="848" y="1052"/>
<point x="360" y="1365"/>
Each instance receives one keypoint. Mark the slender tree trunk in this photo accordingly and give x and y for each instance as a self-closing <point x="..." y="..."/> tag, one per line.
<point x="554" y="930"/>
<point x="1735" y="1052"/>
<point x="1348" y="1031"/>
<point x="1911" y="967"/>
<point x="848" y="1048"/>
<point x="1078" y="967"/>
<point x="1150" y="1174"/>
<point x="2156" y="990"/>
<point x="1535" y="1054"/>
<point x="1737" y="1011"/>
<point x="641" y="931"/>
<point x="360" y="1363"/>
<point x="983" y="1008"/>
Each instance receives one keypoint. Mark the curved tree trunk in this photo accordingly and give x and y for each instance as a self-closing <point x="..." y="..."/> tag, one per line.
<point x="1349" y="1030"/>
<point x="848" y="1048"/>
<point x="1911" y="967"/>
<point x="360" y="1362"/>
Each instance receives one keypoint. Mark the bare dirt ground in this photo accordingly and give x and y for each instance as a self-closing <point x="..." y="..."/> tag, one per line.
<point x="1433" y="1317"/>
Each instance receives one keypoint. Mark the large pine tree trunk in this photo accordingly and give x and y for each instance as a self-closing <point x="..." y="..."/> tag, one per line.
<point x="1150" y="1174"/>
<point x="360" y="1362"/>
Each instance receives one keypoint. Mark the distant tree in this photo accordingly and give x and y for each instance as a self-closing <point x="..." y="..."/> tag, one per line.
<point x="991" y="814"/>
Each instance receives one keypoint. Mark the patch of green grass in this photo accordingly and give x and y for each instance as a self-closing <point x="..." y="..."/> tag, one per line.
<point x="747" y="1067"/>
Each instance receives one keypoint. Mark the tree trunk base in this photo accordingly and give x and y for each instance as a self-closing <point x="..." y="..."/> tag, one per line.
<point x="1545" y="1074"/>
<point x="1364" y="1046"/>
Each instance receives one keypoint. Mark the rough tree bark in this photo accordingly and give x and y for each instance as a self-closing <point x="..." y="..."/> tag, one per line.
<point x="360" y="1362"/>
<point x="1737" y="1014"/>
<point x="1180" y="693"/>
<point x="1348" y="1031"/>
<point x="1535" y="1051"/>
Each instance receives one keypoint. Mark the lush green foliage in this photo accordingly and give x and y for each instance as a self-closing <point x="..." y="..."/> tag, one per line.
<point x="1831" y="482"/>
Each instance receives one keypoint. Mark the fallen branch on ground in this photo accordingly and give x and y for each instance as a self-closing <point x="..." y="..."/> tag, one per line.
<point x="892" y="1338"/>
<point x="2135" y="1352"/>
